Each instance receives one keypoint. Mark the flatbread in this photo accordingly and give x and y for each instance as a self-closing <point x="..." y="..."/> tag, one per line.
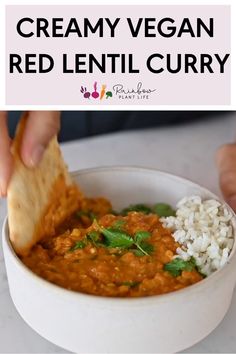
<point x="39" y="199"/>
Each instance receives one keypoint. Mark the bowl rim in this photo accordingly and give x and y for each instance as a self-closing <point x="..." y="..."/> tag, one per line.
<point x="127" y="301"/>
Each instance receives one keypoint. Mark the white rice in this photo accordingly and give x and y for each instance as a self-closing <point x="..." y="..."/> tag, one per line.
<point x="204" y="230"/>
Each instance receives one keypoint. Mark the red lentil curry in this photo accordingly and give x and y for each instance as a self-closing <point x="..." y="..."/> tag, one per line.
<point x="80" y="243"/>
<point x="101" y="252"/>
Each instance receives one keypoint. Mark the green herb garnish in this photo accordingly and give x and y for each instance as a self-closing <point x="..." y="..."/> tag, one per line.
<point x="141" y="235"/>
<point x="118" y="224"/>
<point x="177" y="265"/>
<point x="116" y="238"/>
<point x="144" y="249"/>
<point x="141" y="208"/>
<point x="121" y="239"/>
<point x="162" y="209"/>
<point x="93" y="236"/>
<point x="79" y="245"/>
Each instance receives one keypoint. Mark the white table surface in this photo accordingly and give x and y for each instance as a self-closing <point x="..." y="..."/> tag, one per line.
<point x="187" y="150"/>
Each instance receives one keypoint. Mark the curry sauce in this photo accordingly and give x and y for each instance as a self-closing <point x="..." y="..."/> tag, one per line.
<point x="98" y="252"/>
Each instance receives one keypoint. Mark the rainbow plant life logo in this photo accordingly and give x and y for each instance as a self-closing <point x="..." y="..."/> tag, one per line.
<point x="96" y="93"/>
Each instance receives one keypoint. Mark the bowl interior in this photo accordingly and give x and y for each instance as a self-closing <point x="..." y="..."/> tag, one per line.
<point x="130" y="185"/>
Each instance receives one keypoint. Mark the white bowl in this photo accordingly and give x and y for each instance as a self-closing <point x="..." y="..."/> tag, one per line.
<point x="91" y="324"/>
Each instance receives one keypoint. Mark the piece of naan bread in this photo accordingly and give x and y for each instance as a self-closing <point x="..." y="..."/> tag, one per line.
<point x="39" y="199"/>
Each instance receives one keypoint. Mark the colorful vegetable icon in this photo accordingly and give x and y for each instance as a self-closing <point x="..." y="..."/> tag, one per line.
<point x="102" y="93"/>
<point x="85" y="92"/>
<point x="108" y="94"/>
<point x="95" y="94"/>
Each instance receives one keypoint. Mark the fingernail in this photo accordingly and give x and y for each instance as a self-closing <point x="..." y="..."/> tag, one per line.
<point x="232" y="202"/>
<point x="36" y="155"/>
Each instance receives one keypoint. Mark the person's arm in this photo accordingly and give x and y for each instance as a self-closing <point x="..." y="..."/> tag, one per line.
<point x="226" y="163"/>
<point x="41" y="127"/>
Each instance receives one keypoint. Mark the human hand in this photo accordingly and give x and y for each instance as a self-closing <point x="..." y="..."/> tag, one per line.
<point x="226" y="163"/>
<point x="41" y="126"/>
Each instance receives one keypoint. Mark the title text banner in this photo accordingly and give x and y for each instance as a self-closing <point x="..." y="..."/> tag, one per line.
<point x="118" y="55"/>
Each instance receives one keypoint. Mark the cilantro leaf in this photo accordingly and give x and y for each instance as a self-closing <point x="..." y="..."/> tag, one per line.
<point x="79" y="245"/>
<point x="177" y="265"/>
<point x="143" y="249"/>
<point x="116" y="238"/>
<point x="142" y="208"/>
<point x="162" y="209"/>
<point x="93" y="236"/>
<point x="141" y="235"/>
<point x="118" y="224"/>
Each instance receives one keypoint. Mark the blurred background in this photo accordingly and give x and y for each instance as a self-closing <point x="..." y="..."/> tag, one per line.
<point x="81" y="124"/>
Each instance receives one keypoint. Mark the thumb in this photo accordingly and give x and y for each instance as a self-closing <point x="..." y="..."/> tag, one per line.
<point x="40" y="128"/>
<point x="226" y="163"/>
